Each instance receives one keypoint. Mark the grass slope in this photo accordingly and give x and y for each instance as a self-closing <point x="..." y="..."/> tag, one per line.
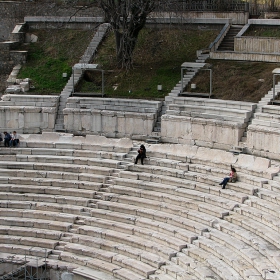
<point x="157" y="60"/>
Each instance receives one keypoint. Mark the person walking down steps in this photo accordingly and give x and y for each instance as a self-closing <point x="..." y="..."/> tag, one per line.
<point x="141" y="154"/>
<point x="231" y="178"/>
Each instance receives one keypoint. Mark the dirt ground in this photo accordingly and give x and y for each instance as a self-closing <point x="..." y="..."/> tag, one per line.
<point x="3" y="79"/>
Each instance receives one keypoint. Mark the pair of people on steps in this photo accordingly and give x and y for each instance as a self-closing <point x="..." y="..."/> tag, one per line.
<point x="141" y="154"/>
<point x="11" y="139"/>
<point x="231" y="178"/>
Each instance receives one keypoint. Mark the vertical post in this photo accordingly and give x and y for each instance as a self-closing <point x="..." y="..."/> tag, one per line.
<point x="73" y="74"/>
<point x="273" y="86"/>
<point x="102" y="83"/>
<point x="182" y="72"/>
<point x="210" y="83"/>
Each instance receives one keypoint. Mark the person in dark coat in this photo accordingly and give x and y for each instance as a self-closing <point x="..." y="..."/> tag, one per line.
<point x="141" y="154"/>
<point x="7" y="138"/>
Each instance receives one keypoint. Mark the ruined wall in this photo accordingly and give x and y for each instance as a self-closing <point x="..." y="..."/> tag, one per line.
<point x="13" y="12"/>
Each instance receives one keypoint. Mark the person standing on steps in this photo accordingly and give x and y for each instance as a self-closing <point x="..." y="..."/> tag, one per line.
<point x="141" y="154"/>
<point x="231" y="178"/>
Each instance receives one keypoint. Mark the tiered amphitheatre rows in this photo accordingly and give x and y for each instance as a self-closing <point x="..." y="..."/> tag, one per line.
<point x="263" y="133"/>
<point x="207" y="122"/>
<point x="168" y="219"/>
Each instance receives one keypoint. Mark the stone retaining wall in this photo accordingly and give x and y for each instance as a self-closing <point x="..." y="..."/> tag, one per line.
<point x="201" y="132"/>
<point x="108" y="123"/>
<point x="28" y="113"/>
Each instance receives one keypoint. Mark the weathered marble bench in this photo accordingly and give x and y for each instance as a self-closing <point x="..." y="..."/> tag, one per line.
<point x="230" y="104"/>
<point x="234" y="115"/>
<point x="51" y="140"/>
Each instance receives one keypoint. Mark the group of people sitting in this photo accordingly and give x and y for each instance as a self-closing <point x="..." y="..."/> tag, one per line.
<point x="10" y="139"/>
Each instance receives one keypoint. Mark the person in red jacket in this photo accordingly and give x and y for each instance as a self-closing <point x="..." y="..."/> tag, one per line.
<point x="231" y="178"/>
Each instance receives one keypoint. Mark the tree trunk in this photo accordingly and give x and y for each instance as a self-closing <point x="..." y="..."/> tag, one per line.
<point x="125" y="46"/>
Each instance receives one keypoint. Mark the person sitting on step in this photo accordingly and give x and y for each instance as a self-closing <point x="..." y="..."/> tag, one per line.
<point x="14" y="139"/>
<point x="141" y="154"/>
<point x="7" y="138"/>
<point x="231" y="178"/>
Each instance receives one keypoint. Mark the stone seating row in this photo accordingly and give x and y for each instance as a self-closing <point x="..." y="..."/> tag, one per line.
<point x="239" y="105"/>
<point x="36" y="214"/>
<point x="75" y="168"/>
<point x="49" y="198"/>
<point x="253" y="256"/>
<point x="29" y="104"/>
<point x="118" y="104"/>
<point x="255" y="166"/>
<point x="236" y="209"/>
<point x="219" y="267"/>
<point x="28" y="241"/>
<point x="268" y="118"/>
<point x="30" y="232"/>
<point x="113" y="235"/>
<point x="207" y="174"/>
<point x="145" y="197"/>
<point x="68" y="141"/>
<point x="24" y="250"/>
<point x="125" y="200"/>
<point x="24" y="98"/>
<point x="115" y="270"/>
<point x="53" y="178"/>
<point x="199" y="181"/>
<point x="250" y="164"/>
<point x="66" y="160"/>
<point x="237" y="262"/>
<point x="135" y="265"/>
<point x="264" y="194"/>
<point x="269" y="220"/>
<point x="194" y="267"/>
<point x="265" y="221"/>
<point x="36" y="223"/>
<point x="65" y="152"/>
<point x="232" y="115"/>
<point x="46" y="206"/>
<point x="113" y="107"/>
<point x="79" y="194"/>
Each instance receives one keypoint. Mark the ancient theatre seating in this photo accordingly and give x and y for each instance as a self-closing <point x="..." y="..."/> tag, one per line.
<point x="86" y="203"/>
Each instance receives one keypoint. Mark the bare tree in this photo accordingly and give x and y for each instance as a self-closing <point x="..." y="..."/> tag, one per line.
<point x="127" y="18"/>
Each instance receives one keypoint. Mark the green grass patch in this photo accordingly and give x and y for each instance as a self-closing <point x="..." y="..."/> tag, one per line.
<point x="54" y="54"/>
<point x="157" y="61"/>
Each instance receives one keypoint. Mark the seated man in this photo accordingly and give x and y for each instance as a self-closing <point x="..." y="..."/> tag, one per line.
<point x="7" y="139"/>
<point x="14" y="139"/>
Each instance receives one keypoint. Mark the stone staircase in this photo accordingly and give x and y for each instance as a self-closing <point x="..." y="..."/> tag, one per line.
<point x="228" y="42"/>
<point x="191" y="69"/>
<point x="77" y="74"/>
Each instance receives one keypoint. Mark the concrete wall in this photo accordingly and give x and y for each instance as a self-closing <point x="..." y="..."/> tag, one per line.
<point x="257" y="45"/>
<point x="245" y="56"/>
<point x="234" y="17"/>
